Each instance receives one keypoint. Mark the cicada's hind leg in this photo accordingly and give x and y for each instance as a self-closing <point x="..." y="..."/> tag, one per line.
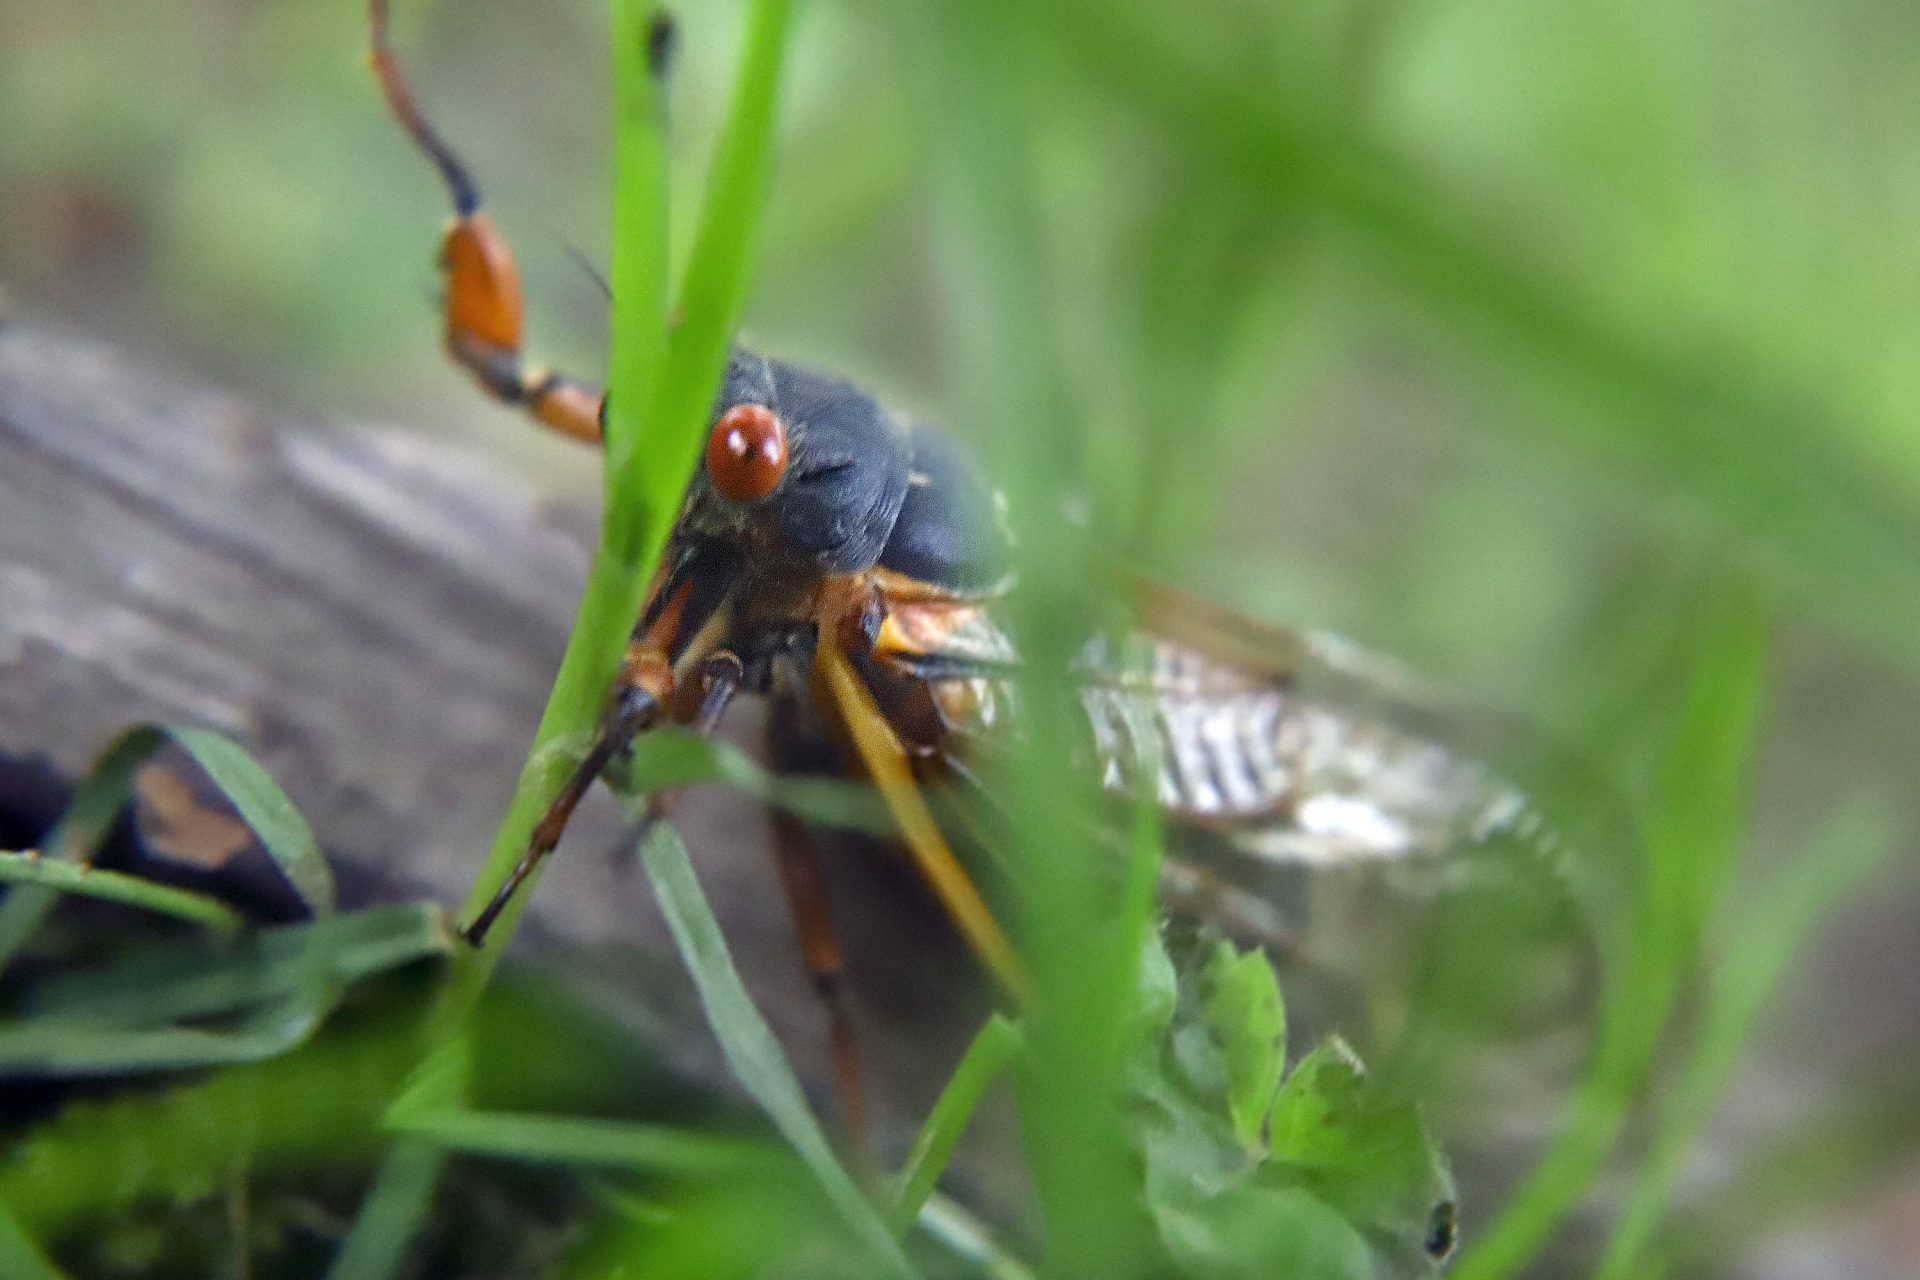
<point x="797" y="858"/>
<point x="483" y="310"/>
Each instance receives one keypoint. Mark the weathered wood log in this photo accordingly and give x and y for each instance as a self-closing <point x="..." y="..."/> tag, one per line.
<point x="377" y="615"/>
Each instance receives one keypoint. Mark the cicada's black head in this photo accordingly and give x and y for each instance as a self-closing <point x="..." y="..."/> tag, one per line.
<point x="799" y="467"/>
<point x="805" y="477"/>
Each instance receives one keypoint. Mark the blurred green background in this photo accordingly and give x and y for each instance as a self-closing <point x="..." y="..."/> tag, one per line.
<point x="1478" y="331"/>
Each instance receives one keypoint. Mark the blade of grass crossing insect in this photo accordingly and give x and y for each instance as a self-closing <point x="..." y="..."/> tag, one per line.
<point x="1083" y="947"/>
<point x="748" y="1044"/>
<point x="992" y="1049"/>
<point x="617" y="577"/>
<point x="714" y="291"/>
<point x="638" y="269"/>
<point x="20" y="1257"/>
<point x="1761" y="947"/>
<point x="1691" y="830"/>
<point x="111" y="886"/>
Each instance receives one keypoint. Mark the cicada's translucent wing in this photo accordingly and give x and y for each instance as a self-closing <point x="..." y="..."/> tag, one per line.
<point x="1280" y="769"/>
<point x="1271" y="752"/>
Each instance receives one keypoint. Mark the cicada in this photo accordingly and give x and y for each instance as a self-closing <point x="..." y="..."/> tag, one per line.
<point x="853" y="567"/>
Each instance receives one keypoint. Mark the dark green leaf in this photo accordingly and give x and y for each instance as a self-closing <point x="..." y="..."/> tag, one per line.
<point x="264" y="807"/>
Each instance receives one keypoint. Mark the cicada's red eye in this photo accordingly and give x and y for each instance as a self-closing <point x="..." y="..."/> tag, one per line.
<point x="747" y="453"/>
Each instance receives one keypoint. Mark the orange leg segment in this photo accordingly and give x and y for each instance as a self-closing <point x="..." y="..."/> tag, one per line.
<point x="484" y="311"/>
<point x="799" y="867"/>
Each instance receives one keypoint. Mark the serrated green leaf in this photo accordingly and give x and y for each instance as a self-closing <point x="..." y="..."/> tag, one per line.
<point x="1366" y="1154"/>
<point x="1244" y="1011"/>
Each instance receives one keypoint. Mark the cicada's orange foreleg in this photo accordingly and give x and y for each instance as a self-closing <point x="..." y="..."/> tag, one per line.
<point x="484" y="313"/>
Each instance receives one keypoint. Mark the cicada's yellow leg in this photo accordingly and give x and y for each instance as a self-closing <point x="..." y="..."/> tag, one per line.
<point x="885" y="758"/>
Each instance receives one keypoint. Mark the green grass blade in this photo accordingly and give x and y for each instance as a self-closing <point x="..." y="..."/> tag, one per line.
<point x="20" y="1257"/>
<point x="572" y="1140"/>
<point x="395" y="1205"/>
<point x="658" y="398"/>
<point x="951" y="1224"/>
<point x="200" y="977"/>
<point x="112" y="886"/>
<point x="992" y="1049"/>
<point x="1826" y="1163"/>
<point x="714" y="291"/>
<point x="1082" y="944"/>
<point x="638" y="265"/>
<point x="264" y="807"/>
<point x="108" y="786"/>
<point x="70" y="1047"/>
<point x="658" y="395"/>
<point x="1747" y="973"/>
<point x="672" y="757"/>
<point x="149" y="1011"/>
<point x="748" y="1044"/>
<point x="1692" y="830"/>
